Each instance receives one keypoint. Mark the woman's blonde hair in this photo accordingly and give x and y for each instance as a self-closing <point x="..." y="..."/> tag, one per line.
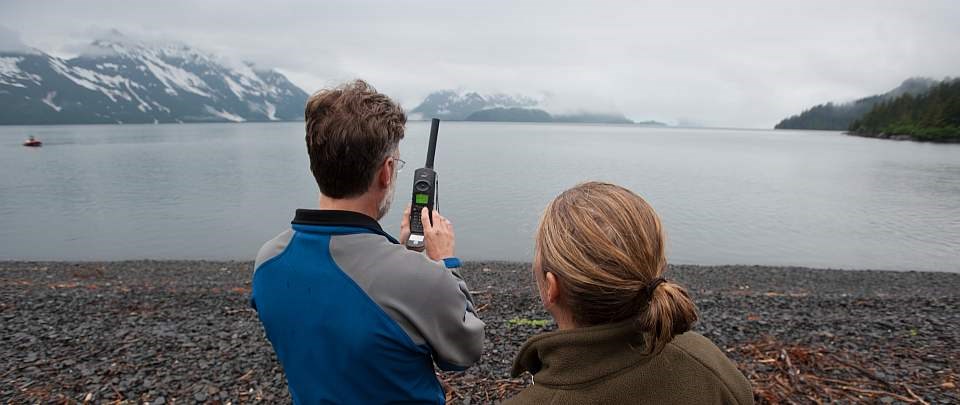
<point x="605" y="244"/>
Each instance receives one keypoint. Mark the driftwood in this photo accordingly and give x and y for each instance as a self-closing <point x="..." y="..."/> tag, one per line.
<point x="798" y="374"/>
<point x="780" y="374"/>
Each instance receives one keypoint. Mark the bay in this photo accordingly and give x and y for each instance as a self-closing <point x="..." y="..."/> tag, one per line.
<point x="726" y="196"/>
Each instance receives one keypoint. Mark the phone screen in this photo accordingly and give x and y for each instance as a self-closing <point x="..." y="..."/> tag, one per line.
<point x="421" y="198"/>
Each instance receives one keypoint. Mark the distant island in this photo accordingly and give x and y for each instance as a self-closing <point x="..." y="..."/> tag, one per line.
<point x="838" y="116"/>
<point x="932" y="116"/>
<point x="511" y="114"/>
<point x="516" y="114"/>
<point x="594" y="118"/>
<point x="651" y="123"/>
<point x="472" y="106"/>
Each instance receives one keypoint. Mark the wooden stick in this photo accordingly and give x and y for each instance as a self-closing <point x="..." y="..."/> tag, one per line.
<point x="833" y="380"/>
<point x="814" y="400"/>
<point x="791" y="372"/>
<point x="915" y="395"/>
<point x="876" y="392"/>
<point x="866" y="372"/>
<point x="245" y="376"/>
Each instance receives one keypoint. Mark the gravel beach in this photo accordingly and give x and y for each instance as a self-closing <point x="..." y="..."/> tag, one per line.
<point x="182" y="332"/>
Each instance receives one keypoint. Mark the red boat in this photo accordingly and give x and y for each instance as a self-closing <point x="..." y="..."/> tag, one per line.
<point x="32" y="142"/>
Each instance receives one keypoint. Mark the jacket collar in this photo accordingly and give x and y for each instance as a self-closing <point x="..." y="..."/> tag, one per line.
<point x="581" y="356"/>
<point x="339" y="218"/>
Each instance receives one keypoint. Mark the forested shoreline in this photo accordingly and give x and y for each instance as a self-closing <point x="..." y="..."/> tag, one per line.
<point x="933" y="116"/>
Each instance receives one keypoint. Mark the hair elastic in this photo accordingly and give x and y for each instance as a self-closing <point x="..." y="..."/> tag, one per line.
<point x="653" y="286"/>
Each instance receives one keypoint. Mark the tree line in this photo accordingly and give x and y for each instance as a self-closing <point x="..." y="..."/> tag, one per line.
<point x="829" y="116"/>
<point x="933" y="116"/>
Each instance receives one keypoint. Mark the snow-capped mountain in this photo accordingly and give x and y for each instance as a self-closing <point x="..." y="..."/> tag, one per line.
<point x="455" y="105"/>
<point x="121" y="80"/>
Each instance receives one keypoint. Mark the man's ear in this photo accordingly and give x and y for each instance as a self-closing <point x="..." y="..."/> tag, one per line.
<point x="385" y="174"/>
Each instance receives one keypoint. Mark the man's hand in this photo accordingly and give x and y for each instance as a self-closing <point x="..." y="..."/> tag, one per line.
<point x="437" y="238"/>
<point x="405" y="226"/>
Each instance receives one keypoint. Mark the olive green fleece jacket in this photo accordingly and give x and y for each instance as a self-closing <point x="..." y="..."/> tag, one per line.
<point x="608" y="364"/>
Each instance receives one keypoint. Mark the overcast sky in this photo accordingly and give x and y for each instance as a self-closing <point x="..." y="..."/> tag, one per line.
<point x="731" y="63"/>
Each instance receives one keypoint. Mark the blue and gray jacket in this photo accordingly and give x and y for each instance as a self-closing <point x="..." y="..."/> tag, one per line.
<point x="356" y="318"/>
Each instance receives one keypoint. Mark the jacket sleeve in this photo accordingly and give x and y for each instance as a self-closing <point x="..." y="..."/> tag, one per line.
<point x="433" y="305"/>
<point x="457" y="340"/>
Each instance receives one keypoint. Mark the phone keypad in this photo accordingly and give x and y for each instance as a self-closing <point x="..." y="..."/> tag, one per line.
<point x="415" y="224"/>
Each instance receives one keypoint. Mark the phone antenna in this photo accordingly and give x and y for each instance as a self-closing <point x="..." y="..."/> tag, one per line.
<point x="434" y="128"/>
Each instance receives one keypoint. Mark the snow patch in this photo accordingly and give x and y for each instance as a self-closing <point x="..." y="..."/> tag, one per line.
<point x="160" y="107"/>
<point x="91" y="80"/>
<point x="234" y="87"/>
<point x="48" y="100"/>
<point x="271" y="111"/>
<point x="12" y="75"/>
<point x="266" y="108"/>
<point x="173" y="76"/>
<point x="243" y="71"/>
<point x="8" y="66"/>
<point x="143" y="106"/>
<point x="224" y="114"/>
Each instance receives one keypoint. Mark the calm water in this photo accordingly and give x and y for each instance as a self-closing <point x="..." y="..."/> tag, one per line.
<point x="215" y="191"/>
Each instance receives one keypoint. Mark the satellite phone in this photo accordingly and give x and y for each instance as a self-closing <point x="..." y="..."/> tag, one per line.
<point x="424" y="191"/>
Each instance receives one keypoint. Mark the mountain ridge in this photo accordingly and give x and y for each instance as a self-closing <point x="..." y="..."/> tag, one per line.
<point x="122" y="80"/>
<point x="457" y="106"/>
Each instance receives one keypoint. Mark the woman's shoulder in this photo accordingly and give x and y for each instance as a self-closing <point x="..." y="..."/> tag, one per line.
<point x="690" y="370"/>
<point x="695" y="344"/>
<point x="698" y="348"/>
<point x="700" y="351"/>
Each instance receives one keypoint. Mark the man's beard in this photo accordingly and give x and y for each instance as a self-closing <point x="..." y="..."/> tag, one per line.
<point x="387" y="201"/>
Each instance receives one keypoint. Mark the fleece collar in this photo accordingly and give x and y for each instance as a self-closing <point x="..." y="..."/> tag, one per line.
<point x="583" y="356"/>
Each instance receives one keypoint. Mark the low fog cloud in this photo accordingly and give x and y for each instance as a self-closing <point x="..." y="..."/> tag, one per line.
<point x="10" y="41"/>
<point x="744" y="64"/>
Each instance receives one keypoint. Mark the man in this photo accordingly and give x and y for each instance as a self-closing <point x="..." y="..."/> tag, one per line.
<point x="354" y="316"/>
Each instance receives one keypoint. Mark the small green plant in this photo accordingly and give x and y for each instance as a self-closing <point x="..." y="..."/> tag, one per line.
<point x="530" y="322"/>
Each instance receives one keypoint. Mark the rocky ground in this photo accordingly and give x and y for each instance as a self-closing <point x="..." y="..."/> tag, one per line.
<point x="180" y="332"/>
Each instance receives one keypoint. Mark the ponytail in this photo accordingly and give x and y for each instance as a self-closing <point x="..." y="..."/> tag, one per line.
<point x="669" y="313"/>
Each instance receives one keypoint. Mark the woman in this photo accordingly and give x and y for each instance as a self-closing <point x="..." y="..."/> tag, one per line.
<point x="624" y="331"/>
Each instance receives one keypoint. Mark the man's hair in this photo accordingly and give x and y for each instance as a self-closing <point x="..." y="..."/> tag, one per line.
<point x="350" y="130"/>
